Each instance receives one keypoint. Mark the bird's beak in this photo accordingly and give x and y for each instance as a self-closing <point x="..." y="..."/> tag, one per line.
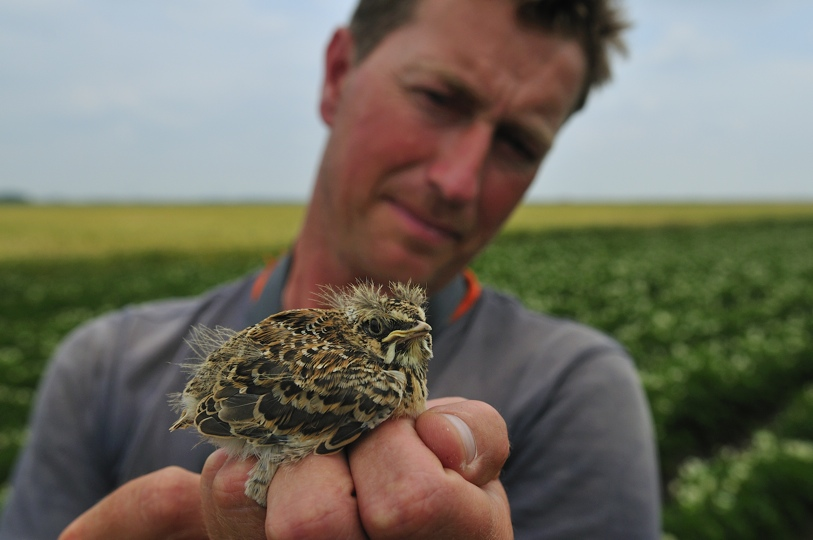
<point x="419" y="330"/>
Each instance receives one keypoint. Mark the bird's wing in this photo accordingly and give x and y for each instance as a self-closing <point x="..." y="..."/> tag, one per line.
<point x="306" y="388"/>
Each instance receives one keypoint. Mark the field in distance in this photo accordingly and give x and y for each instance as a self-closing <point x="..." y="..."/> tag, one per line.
<point x="56" y="231"/>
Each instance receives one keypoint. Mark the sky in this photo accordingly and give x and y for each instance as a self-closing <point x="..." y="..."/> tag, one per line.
<point x="204" y="100"/>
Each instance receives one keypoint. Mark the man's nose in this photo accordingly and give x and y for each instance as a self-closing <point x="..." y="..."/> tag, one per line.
<point x="457" y="169"/>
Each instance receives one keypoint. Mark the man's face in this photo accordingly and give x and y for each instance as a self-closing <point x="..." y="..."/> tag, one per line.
<point x="436" y="135"/>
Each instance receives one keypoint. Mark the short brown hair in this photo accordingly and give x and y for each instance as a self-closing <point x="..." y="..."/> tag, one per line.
<point x="596" y="24"/>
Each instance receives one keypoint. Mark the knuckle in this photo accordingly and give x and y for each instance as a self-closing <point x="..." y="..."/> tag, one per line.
<point x="327" y="521"/>
<point x="410" y="506"/>
<point x="167" y="500"/>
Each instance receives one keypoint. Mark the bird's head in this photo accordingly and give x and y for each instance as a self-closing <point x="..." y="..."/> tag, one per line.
<point x="394" y="326"/>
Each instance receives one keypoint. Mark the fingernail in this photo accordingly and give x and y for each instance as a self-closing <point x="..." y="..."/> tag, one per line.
<point x="465" y="435"/>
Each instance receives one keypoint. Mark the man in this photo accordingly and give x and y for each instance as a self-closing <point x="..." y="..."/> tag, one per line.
<point x="440" y="113"/>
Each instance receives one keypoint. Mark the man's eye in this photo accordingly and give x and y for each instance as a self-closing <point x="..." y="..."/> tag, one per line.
<point x="436" y="98"/>
<point x="444" y="104"/>
<point x="518" y="146"/>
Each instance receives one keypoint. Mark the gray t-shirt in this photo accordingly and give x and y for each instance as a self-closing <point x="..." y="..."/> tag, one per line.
<point x="582" y="461"/>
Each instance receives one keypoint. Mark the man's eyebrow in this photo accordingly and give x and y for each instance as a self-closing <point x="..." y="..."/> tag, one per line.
<point x="539" y="132"/>
<point x="455" y="84"/>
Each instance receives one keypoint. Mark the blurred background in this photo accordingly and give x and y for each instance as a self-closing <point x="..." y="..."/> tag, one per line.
<point x="214" y="101"/>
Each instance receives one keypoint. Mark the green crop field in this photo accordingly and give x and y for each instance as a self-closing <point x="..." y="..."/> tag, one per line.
<point x="714" y="303"/>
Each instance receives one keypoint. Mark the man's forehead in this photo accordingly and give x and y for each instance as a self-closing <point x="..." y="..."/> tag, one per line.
<point x="479" y="48"/>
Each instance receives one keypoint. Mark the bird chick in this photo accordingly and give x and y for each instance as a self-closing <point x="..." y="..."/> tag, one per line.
<point x="309" y="381"/>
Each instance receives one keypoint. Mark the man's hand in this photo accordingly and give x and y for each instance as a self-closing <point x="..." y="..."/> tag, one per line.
<point x="438" y="480"/>
<point x="437" y="477"/>
<point x="163" y="504"/>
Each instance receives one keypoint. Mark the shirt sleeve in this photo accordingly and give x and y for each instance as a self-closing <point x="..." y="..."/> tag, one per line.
<point x="585" y="466"/>
<point x="60" y="472"/>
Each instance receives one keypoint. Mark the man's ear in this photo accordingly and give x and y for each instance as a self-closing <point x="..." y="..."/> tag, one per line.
<point x="338" y="62"/>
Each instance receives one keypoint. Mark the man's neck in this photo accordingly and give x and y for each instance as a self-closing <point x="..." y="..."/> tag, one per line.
<point x="307" y="274"/>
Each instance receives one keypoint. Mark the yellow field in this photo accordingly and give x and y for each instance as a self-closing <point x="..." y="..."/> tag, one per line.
<point x="28" y="232"/>
<point x="541" y="216"/>
<point x="33" y="232"/>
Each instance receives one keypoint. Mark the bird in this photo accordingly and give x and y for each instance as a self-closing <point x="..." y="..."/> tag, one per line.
<point x="309" y="381"/>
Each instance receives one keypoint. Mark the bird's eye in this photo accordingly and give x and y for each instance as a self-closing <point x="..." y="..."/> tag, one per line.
<point x="375" y="327"/>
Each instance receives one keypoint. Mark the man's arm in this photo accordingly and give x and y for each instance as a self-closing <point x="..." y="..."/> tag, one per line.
<point x="60" y="471"/>
<point x="585" y="464"/>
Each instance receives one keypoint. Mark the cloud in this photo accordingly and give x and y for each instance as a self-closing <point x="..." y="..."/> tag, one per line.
<point x="194" y="98"/>
<point x="685" y="45"/>
<point x="706" y="107"/>
<point x="36" y="7"/>
<point x="230" y="17"/>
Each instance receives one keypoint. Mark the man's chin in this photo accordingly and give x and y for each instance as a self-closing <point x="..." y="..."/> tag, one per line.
<point x="402" y="265"/>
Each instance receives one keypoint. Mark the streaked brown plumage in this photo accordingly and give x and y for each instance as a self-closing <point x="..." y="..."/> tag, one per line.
<point x="310" y="380"/>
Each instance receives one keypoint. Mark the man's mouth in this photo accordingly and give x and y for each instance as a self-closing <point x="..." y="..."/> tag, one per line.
<point x="426" y="228"/>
